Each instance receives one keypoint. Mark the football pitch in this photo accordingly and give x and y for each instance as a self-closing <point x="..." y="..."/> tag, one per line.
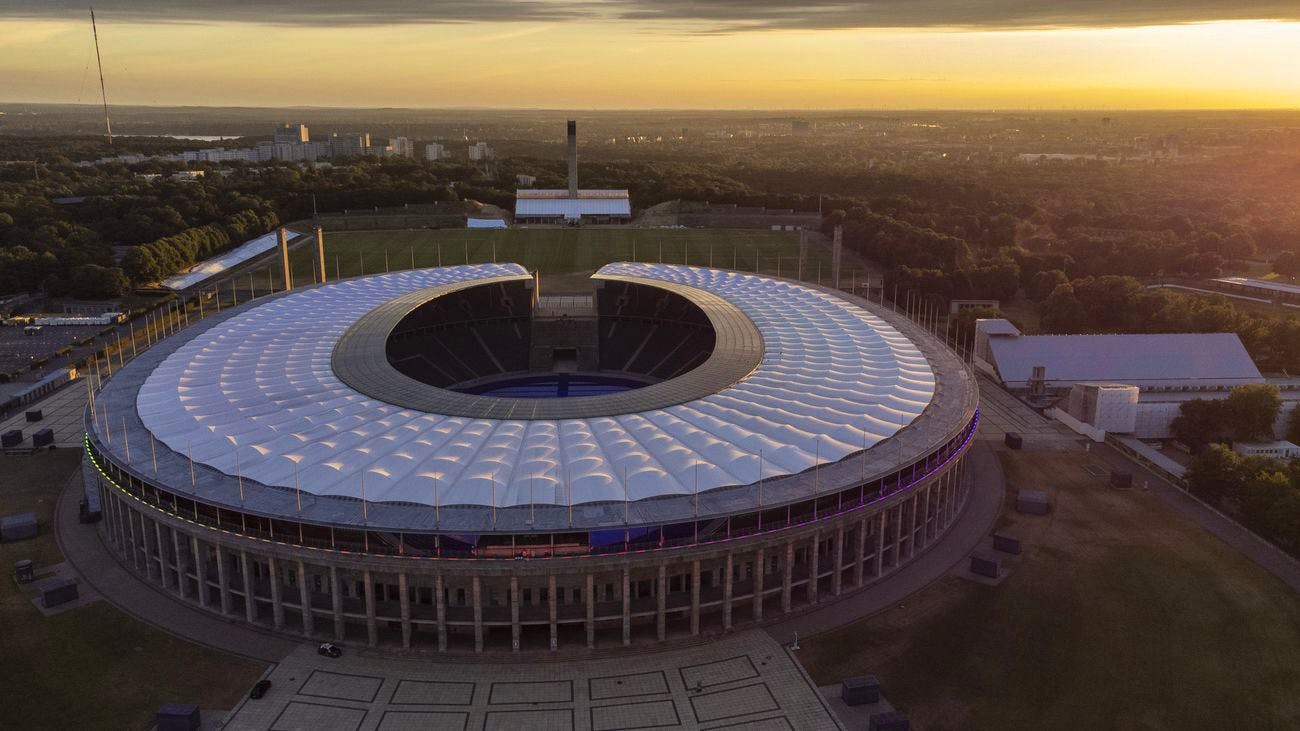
<point x="551" y="252"/>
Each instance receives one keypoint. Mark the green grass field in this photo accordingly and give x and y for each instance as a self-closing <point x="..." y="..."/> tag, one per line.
<point x="91" y="667"/>
<point x="566" y="255"/>
<point x="1122" y="614"/>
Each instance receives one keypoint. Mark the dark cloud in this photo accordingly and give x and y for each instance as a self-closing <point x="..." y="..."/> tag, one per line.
<point x="718" y="16"/>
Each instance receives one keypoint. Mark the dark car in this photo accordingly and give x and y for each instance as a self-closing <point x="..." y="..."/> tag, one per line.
<point x="259" y="689"/>
<point x="329" y="649"/>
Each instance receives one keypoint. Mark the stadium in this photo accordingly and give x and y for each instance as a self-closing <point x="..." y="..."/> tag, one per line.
<point x="447" y="459"/>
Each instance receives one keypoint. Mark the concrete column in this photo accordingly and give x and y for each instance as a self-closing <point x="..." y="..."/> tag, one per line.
<point x="925" y="516"/>
<point x="164" y="561"/>
<point x="223" y="579"/>
<point x="404" y="601"/>
<point x="759" y="568"/>
<point x="661" y="610"/>
<point x="695" y="597"/>
<point x="550" y="605"/>
<point x="860" y="563"/>
<point x="727" y="580"/>
<point x="787" y="578"/>
<point x="627" y="607"/>
<point x="135" y="545"/>
<point x="372" y="627"/>
<point x="901" y="532"/>
<point x="336" y="604"/>
<point x="440" y="601"/>
<point x="880" y="543"/>
<point x="182" y="571"/>
<point x="277" y="603"/>
<point x="200" y="570"/>
<point x="591" y="611"/>
<point x="514" y="613"/>
<point x="304" y="597"/>
<point x="814" y="566"/>
<point x="250" y="593"/>
<point x="836" y="580"/>
<point x="476" y="590"/>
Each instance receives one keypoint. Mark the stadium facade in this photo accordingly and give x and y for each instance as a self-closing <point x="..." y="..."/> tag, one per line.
<point x="382" y="459"/>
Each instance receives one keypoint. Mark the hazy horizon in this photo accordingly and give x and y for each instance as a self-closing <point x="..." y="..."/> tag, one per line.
<point x="659" y="55"/>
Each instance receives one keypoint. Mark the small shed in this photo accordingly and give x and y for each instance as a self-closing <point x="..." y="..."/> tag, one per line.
<point x="1006" y="544"/>
<point x="18" y="527"/>
<point x="178" y="717"/>
<point x="889" y="721"/>
<point x="58" y="591"/>
<point x="986" y="565"/>
<point x="43" y="438"/>
<point x="859" y="691"/>
<point x="1033" y="502"/>
<point x="11" y="438"/>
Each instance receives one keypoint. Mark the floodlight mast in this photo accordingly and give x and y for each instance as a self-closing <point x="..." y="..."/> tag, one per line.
<point x="108" y="124"/>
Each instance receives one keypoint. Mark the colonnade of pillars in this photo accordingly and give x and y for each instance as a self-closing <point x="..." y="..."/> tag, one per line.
<point x="676" y="593"/>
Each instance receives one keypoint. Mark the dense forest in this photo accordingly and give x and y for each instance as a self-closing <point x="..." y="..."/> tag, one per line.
<point x="943" y="208"/>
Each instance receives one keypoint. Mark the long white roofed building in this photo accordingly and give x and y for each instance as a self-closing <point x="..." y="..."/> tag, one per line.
<point x="574" y="205"/>
<point x="432" y="438"/>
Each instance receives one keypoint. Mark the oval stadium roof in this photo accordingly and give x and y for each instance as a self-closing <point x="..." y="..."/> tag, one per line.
<point x="256" y="396"/>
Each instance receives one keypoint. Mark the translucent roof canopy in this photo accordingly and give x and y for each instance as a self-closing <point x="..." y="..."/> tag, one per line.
<point x="256" y="396"/>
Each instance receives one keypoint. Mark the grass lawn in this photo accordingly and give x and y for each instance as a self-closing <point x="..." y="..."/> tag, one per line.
<point x="1121" y="614"/>
<point x="92" y="667"/>
<point x="558" y="251"/>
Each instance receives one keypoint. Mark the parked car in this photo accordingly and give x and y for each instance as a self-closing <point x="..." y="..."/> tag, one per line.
<point x="259" y="689"/>
<point x="329" y="649"/>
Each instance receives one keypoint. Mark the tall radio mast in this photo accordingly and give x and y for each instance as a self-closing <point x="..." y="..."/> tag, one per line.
<point x="108" y="125"/>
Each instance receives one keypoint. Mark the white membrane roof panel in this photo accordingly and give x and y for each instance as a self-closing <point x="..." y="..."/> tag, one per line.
<point x="256" y="396"/>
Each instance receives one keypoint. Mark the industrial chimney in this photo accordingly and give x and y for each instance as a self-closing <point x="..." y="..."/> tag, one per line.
<point x="573" y="159"/>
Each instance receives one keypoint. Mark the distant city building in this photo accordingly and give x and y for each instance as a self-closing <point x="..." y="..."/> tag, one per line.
<point x="292" y="134"/>
<point x="800" y="127"/>
<point x="434" y="151"/>
<point x="526" y="181"/>
<point x="480" y="151"/>
<point x="187" y="176"/>
<point x="349" y="145"/>
<point x="401" y="147"/>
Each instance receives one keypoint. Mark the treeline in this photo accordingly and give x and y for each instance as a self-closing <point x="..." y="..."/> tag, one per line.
<point x="1247" y="415"/>
<point x="1263" y="493"/>
<point x="170" y="254"/>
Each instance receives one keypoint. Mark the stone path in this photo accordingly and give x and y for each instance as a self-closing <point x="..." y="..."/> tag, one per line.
<point x="62" y="412"/>
<point x="97" y="568"/>
<point x="743" y="682"/>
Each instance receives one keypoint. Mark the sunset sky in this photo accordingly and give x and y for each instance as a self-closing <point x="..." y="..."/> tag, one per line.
<point x="659" y="53"/>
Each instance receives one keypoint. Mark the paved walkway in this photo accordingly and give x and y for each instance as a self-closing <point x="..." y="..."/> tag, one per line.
<point x="84" y="550"/>
<point x="62" y="412"/>
<point x="746" y="681"/>
<point x="964" y="536"/>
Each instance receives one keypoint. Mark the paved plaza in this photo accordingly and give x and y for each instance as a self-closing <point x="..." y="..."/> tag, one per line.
<point x="743" y="682"/>
<point x="61" y="412"/>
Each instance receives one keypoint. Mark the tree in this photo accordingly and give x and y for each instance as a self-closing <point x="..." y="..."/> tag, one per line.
<point x="1213" y="474"/>
<point x="1251" y="411"/>
<point x="1287" y="264"/>
<point x="1044" y="283"/>
<point x="1063" y="312"/>
<point x="1199" y="422"/>
<point x="95" y="282"/>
